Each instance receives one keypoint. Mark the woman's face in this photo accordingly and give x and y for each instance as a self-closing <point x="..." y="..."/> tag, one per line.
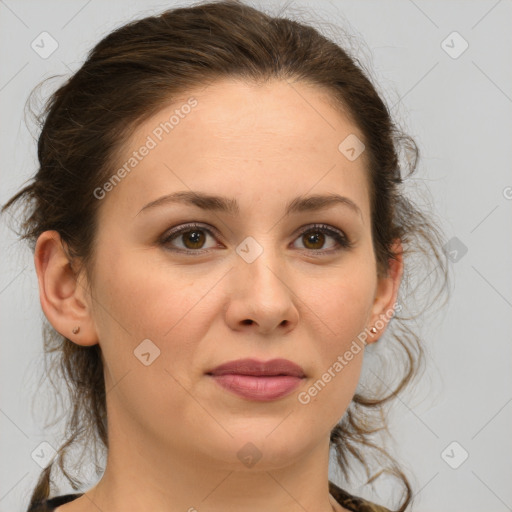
<point x="246" y="282"/>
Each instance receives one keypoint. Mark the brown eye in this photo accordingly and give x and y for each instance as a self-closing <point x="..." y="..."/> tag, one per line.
<point x="189" y="238"/>
<point x="314" y="237"/>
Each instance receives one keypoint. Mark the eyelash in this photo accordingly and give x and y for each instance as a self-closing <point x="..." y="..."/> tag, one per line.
<point x="339" y="236"/>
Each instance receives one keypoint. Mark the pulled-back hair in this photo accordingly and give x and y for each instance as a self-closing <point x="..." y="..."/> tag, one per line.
<point x="133" y="73"/>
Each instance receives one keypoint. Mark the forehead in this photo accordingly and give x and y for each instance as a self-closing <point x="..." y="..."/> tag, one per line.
<point x="273" y="140"/>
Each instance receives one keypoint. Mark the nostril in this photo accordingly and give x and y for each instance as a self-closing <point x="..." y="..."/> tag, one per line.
<point x="247" y="322"/>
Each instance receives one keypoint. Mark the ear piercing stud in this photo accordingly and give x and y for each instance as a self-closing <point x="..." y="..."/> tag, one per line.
<point x="373" y="330"/>
<point x="76" y="329"/>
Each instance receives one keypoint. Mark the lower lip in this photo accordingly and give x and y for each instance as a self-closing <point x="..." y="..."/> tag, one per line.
<point x="262" y="389"/>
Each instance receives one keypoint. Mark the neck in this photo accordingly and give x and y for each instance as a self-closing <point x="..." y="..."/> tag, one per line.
<point x="165" y="475"/>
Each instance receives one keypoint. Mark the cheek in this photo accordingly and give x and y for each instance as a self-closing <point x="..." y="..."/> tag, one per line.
<point x="343" y="306"/>
<point x="139" y="300"/>
<point x="132" y="289"/>
<point x="338" y="315"/>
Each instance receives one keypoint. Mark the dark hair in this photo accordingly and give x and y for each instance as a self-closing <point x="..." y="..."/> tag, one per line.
<point x="129" y="76"/>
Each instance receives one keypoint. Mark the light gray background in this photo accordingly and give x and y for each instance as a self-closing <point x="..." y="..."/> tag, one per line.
<point x="459" y="111"/>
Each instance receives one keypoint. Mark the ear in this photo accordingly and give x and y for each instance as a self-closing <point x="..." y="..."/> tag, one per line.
<point x="64" y="299"/>
<point x="386" y="294"/>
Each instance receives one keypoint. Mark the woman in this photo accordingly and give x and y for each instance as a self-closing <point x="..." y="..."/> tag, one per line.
<point x="219" y="235"/>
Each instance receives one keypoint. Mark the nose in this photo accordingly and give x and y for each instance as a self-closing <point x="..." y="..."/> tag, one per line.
<point x="261" y="296"/>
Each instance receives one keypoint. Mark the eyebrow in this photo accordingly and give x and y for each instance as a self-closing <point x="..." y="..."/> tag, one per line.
<point x="230" y="206"/>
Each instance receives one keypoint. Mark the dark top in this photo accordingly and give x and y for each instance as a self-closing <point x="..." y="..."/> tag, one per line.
<point x="345" y="499"/>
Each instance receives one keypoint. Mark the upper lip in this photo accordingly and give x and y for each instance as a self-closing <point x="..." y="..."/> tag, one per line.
<point x="259" y="368"/>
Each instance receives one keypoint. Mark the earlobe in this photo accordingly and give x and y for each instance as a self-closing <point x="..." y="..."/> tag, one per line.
<point x="62" y="296"/>
<point x="386" y="294"/>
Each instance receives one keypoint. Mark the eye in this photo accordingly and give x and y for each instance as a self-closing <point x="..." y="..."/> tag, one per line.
<point x="191" y="236"/>
<point x="314" y="237"/>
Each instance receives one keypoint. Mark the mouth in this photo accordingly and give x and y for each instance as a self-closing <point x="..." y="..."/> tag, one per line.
<point x="258" y="381"/>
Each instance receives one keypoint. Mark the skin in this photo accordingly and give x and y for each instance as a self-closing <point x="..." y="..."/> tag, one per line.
<point x="174" y="434"/>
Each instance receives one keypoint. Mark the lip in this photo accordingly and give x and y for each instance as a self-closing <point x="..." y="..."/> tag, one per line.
<point x="258" y="380"/>
<point x="258" y="368"/>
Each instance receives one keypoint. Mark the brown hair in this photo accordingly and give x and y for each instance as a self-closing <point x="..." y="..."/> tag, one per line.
<point x="130" y="75"/>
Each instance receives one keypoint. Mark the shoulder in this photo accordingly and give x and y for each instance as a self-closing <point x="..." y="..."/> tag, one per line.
<point x="354" y="503"/>
<point x="51" y="504"/>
